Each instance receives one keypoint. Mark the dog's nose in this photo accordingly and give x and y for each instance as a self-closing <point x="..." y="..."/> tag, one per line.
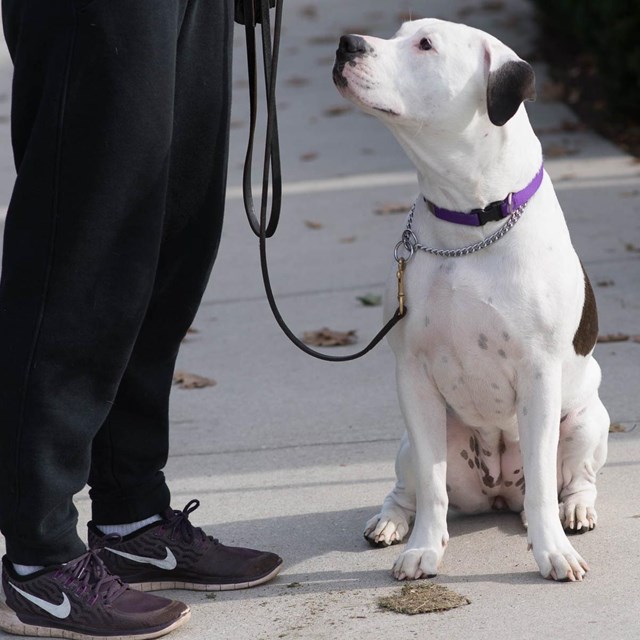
<point x="351" y="46"/>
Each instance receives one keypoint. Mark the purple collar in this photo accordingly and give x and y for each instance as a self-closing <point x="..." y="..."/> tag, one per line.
<point x="495" y="210"/>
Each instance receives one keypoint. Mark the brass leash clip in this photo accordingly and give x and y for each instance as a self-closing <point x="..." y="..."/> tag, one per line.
<point x="400" y="276"/>
<point x="408" y="246"/>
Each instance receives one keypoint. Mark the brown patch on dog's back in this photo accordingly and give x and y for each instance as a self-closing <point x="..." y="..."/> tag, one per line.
<point x="587" y="333"/>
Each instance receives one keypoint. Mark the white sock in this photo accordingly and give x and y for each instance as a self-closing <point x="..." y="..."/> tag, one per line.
<point x="26" y="569"/>
<point x="129" y="527"/>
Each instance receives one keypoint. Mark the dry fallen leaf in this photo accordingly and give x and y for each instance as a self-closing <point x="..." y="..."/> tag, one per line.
<point x="297" y="81"/>
<point x="190" y="332"/>
<point x="392" y="207"/>
<point x="423" y="598"/>
<point x="309" y="155"/>
<point x="557" y="150"/>
<point x="309" y="11"/>
<point x="616" y="427"/>
<point x="370" y="300"/>
<point x="191" y="380"/>
<point x="326" y="337"/>
<point x="312" y="224"/>
<point x="551" y="91"/>
<point x="323" y="39"/>
<point x="614" y="337"/>
<point x="605" y="283"/>
<point x="566" y="126"/>
<point x="571" y="126"/>
<point x="337" y="110"/>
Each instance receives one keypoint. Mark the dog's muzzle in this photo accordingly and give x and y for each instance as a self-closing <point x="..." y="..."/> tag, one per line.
<point x="350" y="48"/>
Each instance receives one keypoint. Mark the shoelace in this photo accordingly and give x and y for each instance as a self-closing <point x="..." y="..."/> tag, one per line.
<point x="87" y="575"/>
<point x="180" y="525"/>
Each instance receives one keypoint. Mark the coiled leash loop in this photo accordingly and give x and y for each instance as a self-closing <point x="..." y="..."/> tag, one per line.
<point x="250" y="13"/>
<point x="246" y="14"/>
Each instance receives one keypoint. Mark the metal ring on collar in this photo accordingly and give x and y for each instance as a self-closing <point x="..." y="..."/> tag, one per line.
<point x="409" y="248"/>
<point x="409" y="239"/>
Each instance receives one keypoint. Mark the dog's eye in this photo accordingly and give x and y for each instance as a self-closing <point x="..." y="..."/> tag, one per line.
<point x="425" y="44"/>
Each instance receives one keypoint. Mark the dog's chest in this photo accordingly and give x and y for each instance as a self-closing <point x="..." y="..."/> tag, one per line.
<point x="463" y="330"/>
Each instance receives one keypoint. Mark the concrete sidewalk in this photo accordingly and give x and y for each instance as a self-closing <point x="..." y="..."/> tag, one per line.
<point x="292" y="454"/>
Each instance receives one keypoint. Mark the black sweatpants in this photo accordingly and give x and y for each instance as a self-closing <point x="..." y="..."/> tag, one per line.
<point x="120" y="122"/>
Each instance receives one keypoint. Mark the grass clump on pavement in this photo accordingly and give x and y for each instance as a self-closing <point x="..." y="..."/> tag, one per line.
<point x="423" y="598"/>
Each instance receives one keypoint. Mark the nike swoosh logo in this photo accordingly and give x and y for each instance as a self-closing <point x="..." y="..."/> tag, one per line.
<point x="61" y="610"/>
<point x="168" y="563"/>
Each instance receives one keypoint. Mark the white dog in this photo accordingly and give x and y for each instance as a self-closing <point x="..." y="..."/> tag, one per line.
<point x="495" y="376"/>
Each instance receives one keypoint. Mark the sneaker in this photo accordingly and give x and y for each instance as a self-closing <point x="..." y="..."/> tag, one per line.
<point x="173" y="554"/>
<point x="83" y="601"/>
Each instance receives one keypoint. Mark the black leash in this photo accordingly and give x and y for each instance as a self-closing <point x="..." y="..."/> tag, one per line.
<point x="250" y="13"/>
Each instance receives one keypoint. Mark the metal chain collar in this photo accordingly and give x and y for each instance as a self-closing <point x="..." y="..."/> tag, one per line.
<point x="409" y="241"/>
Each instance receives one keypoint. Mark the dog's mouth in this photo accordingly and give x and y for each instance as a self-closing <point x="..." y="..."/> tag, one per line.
<point x="351" y="92"/>
<point x="338" y="78"/>
<point x="389" y="112"/>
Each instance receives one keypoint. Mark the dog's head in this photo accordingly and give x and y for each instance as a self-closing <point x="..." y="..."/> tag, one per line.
<point x="434" y="73"/>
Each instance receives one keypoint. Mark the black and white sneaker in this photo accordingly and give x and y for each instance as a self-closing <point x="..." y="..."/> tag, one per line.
<point x="173" y="554"/>
<point x="82" y="600"/>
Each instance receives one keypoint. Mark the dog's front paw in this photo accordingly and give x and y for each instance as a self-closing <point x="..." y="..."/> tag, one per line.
<point x="577" y="517"/>
<point x="560" y="562"/>
<point x="413" y="564"/>
<point x="387" y="528"/>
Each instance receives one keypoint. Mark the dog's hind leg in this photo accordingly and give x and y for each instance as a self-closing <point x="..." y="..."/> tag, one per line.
<point x="391" y="525"/>
<point x="581" y="453"/>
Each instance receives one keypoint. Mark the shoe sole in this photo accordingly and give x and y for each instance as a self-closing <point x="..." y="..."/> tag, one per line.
<point x="10" y="623"/>
<point x="197" y="586"/>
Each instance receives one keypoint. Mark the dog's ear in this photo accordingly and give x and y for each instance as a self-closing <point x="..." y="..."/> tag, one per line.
<point x="510" y="82"/>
